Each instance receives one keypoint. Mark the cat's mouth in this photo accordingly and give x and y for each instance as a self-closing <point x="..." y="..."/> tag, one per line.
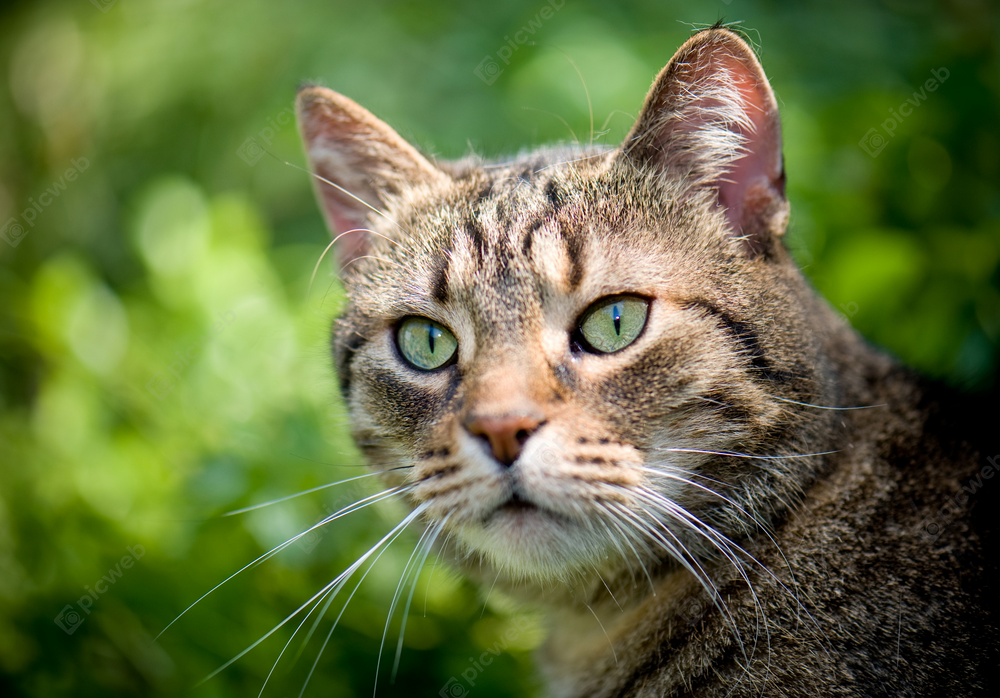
<point x="514" y="505"/>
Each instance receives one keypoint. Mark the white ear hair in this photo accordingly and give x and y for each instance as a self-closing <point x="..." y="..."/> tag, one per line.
<point x="711" y="120"/>
<point x="365" y="163"/>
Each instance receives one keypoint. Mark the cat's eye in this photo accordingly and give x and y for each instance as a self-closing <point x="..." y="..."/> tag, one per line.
<point x="425" y="344"/>
<point x="612" y="324"/>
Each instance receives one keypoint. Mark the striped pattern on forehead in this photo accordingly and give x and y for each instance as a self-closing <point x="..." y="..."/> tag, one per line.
<point x="512" y="244"/>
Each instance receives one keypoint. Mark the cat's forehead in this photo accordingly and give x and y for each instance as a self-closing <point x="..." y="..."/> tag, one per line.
<point x="507" y="240"/>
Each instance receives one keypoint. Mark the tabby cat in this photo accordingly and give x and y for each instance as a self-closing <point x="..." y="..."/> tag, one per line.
<point x="599" y="375"/>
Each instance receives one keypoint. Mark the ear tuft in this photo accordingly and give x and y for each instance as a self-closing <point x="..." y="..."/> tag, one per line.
<point x="711" y="119"/>
<point x="365" y="163"/>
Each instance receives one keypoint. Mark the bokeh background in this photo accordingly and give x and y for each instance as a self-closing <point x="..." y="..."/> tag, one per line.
<point x="163" y="356"/>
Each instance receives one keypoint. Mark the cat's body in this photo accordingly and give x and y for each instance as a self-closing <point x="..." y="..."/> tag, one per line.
<point x="685" y="493"/>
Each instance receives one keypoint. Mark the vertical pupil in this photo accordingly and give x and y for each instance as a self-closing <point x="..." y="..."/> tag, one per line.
<point x="617" y="314"/>
<point x="432" y="334"/>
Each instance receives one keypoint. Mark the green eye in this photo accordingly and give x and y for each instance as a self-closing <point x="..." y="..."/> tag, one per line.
<point x="614" y="323"/>
<point x="425" y="344"/>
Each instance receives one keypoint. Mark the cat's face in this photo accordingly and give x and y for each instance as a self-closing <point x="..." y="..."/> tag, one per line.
<point x="553" y="352"/>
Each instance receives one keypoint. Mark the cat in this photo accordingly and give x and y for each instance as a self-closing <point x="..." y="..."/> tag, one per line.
<point x="598" y="373"/>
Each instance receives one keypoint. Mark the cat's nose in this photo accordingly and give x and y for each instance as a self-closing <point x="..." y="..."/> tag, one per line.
<point x="506" y="434"/>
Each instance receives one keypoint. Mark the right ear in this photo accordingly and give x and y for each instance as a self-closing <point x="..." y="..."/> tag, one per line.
<point x="366" y="163"/>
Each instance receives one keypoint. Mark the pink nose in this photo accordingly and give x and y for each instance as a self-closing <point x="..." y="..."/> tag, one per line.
<point x="506" y="433"/>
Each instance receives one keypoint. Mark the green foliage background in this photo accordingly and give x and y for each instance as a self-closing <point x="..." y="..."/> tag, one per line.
<point x="167" y="243"/>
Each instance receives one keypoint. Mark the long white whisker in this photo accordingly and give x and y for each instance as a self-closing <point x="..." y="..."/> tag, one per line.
<point x="343" y="191"/>
<point x="614" y="522"/>
<point x="722" y="543"/>
<point x="765" y="529"/>
<point x="610" y="643"/>
<point x="564" y="122"/>
<point x="610" y="593"/>
<point x="333" y="242"/>
<point x="490" y="592"/>
<point x="342" y="610"/>
<point x="826" y="407"/>
<point x="416" y="573"/>
<point x="322" y="592"/>
<point x="395" y="599"/>
<point x="275" y="550"/>
<point x="745" y="455"/>
<point x="689" y="562"/>
<point x="310" y="491"/>
<point x="305" y="618"/>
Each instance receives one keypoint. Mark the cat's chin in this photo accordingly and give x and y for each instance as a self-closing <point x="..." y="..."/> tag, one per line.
<point x="524" y="541"/>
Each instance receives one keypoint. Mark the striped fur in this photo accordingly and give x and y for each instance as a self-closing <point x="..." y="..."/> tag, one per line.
<point x="685" y="507"/>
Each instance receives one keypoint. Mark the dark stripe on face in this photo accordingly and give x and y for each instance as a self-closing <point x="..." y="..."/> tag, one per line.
<point x="503" y="215"/>
<point x="439" y="281"/>
<point x="399" y="405"/>
<point x="345" y="350"/>
<point x="530" y="234"/>
<point x="574" y="250"/>
<point x="555" y="195"/>
<point x="474" y="229"/>
<point x="746" y="336"/>
<point x="485" y="193"/>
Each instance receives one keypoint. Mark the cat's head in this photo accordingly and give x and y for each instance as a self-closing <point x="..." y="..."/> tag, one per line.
<point x="562" y="350"/>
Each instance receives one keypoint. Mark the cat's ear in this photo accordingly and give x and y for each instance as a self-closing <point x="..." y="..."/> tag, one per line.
<point x="711" y="119"/>
<point x="368" y="162"/>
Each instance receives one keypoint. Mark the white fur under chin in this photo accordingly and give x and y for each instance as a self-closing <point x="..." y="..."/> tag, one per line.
<point x="535" y="545"/>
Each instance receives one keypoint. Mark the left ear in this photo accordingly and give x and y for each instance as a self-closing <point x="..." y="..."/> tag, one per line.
<point x="711" y="120"/>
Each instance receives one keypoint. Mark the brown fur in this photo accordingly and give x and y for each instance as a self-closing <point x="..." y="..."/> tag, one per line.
<point x="713" y="447"/>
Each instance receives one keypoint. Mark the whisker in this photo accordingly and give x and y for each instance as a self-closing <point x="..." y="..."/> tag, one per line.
<point x="689" y="562"/>
<point x="827" y="407"/>
<point x="570" y="162"/>
<point x="610" y="593"/>
<point x="310" y="491"/>
<point x="564" y="122"/>
<point x="490" y="592"/>
<point x="610" y="643"/>
<point x="385" y="494"/>
<point x="416" y="573"/>
<point x="395" y="599"/>
<point x="614" y="522"/>
<point x="334" y="241"/>
<point x="342" y="610"/>
<point x="343" y="575"/>
<point x="343" y="191"/>
<point x="724" y="544"/>
<point x="746" y="455"/>
<point x="762" y="527"/>
<point x="296" y="632"/>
